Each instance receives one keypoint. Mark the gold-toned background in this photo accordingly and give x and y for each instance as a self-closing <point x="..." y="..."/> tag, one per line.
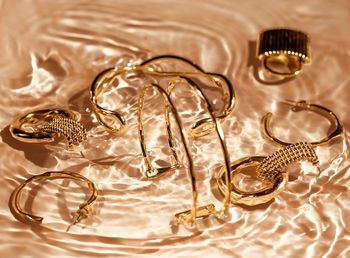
<point x="52" y="50"/>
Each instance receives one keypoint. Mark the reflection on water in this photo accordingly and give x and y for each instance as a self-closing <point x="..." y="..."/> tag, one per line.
<point x="51" y="53"/>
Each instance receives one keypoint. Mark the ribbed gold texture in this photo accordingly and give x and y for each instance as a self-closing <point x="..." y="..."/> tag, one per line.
<point x="284" y="41"/>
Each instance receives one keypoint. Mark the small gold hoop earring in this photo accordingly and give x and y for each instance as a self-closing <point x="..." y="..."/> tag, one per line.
<point x="84" y="209"/>
<point x="270" y="170"/>
<point x="49" y="124"/>
<point x="186" y="217"/>
<point x="289" y="47"/>
<point x="305" y="105"/>
<point x="106" y="78"/>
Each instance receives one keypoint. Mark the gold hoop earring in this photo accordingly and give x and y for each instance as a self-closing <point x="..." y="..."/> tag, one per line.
<point x="285" y="46"/>
<point x="305" y="105"/>
<point x="270" y="170"/>
<point x="84" y="209"/>
<point x="49" y="124"/>
<point x="187" y="217"/>
<point x="106" y="78"/>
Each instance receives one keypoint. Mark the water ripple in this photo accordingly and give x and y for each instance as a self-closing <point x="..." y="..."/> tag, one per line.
<point x="51" y="52"/>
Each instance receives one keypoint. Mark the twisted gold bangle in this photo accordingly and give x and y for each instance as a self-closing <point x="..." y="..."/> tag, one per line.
<point x="186" y="217"/>
<point x="106" y="78"/>
<point x="84" y="209"/>
<point x="305" y="105"/>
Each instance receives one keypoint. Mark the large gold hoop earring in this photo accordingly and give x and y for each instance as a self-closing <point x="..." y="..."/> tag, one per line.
<point x="106" y="78"/>
<point x="304" y="105"/>
<point x="49" y="124"/>
<point x="84" y="209"/>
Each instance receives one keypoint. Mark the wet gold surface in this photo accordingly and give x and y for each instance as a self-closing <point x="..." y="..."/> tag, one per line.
<point x="51" y="51"/>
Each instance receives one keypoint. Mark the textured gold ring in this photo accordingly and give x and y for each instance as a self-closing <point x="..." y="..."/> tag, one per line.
<point x="46" y="125"/>
<point x="84" y="209"/>
<point x="305" y="105"/>
<point x="252" y="197"/>
<point x="270" y="170"/>
<point x="283" y="46"/>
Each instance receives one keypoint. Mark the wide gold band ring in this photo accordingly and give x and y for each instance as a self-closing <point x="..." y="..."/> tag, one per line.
<point x="18" y="131"/>
<point x="283" y="52"/>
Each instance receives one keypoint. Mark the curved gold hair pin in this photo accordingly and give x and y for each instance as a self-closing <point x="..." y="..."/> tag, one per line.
<point x="106" y="78"/>
<point x="48" y="123"/>
<point x="305" y="105"/>
<point x="152" y="172"/>
<point x="186" y="217"/>
<point x="270" y="171"/>
<point x="84" y="209"/>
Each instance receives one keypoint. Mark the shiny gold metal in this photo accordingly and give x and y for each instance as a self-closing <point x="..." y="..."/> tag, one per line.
<point x="206" y="210"/>
<point x="84" y="209"/>
<point x="252" y="198"/>
<point x="99" y="85"/>
<point x="305" y="105"/>
<point x="270" y="170"/>
<point x="286" y="46"/>
<point x="48" y="124"/>
<point x="152" y="172"/>
<point x="106" y="78"/>
<point x="189" y="216"/>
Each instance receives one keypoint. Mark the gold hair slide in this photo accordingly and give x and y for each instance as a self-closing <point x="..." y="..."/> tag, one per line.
<point x="84" y="209"/>
<point x="283" y="46"/>
<point x="305" y="105"/>
<point x="106" y="78"/>
<point x="189" y="216"/>
<point x="270" y="171"/>
<point x="46" y="125"/>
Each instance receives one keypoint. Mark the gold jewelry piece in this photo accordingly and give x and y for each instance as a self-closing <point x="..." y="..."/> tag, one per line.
<point x="305" y="105"/>
<point x="48" y="124"/>
<point x="186" y="217"/>
<point x="274" y="163"/>
<point x="285" y="46"/>
<point x="84" y="208"/>
<point x="270" y="171"/>
<point x="106" y="78"/>
<point x="152" y="172"/>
